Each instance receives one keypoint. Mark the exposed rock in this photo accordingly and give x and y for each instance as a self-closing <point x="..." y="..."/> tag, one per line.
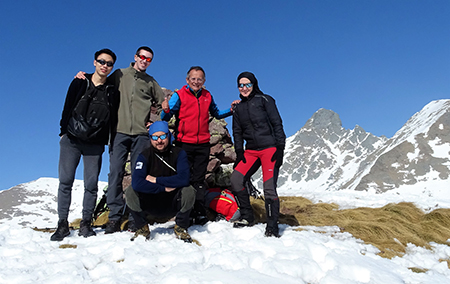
<point x="213" y="165"/>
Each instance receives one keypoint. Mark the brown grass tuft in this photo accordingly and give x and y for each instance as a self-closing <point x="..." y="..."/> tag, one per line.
<point x="66" y="246"/>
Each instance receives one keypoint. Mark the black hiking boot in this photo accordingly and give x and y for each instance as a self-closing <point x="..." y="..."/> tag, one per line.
<point x="182" y="234"/>
<point x="61" y="232"/>
<point x="243" y="223"/>
<point x="86" y="229"/>
<point x="198" y="213"/>
<point x="247" y="218"/>
<point x="272" y="214"/>
<point x="272" y="232"/>
<point x="112" y="227"/>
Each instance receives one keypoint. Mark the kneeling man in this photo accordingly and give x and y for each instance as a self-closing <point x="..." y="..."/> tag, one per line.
<point x="160" y="186"/>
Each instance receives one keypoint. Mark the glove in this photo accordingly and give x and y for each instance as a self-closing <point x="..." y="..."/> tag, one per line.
<point x="239" y="157"/>
<point x="278" y="156"/>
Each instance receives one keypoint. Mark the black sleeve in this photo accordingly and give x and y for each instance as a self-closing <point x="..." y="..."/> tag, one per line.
<point x="237" y="132"/>
<point x="276" y="121"/>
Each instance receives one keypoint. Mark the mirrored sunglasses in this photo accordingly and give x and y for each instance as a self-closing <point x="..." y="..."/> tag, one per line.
<point x="248" y="85"/>
<point x="148" y="59"/>
<point x="155" y="137"/>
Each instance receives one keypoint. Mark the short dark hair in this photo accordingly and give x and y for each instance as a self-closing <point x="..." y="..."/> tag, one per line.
<point x="196" y="68"/>
<point x="106" y="51"/>
<point x="146" y="48"/>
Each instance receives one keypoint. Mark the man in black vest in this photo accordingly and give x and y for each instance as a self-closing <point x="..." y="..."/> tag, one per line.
<point x="75" y="142"/>
<point x="160" y="186"/>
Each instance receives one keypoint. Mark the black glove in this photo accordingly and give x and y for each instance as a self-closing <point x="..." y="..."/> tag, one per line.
<point x="239" y="157"/>
<point x="278" y="156"/>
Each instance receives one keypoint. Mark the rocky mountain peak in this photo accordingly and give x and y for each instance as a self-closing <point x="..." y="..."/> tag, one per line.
<point x="324" y="119"/>
<point x="326" y="156"/>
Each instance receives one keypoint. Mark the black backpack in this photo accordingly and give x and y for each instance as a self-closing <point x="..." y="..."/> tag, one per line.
<point x="90" y="115"/>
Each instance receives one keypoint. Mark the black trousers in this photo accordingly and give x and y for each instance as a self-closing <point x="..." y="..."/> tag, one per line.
<point x="161" y="206"/>
<point x="198" y="157"/>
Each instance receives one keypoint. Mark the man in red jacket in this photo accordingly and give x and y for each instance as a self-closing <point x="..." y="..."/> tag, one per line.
<point x="192" y="105"/>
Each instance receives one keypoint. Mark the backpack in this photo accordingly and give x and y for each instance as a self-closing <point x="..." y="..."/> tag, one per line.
<point x="223" y="202"/>
<point x="90" y="115"/>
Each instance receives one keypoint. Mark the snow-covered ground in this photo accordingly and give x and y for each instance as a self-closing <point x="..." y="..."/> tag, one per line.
<point x="226" y="255"/>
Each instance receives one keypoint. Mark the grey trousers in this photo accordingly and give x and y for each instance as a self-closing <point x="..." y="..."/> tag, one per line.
<point x="117" y="158"/>
<point x="71" y="150"/>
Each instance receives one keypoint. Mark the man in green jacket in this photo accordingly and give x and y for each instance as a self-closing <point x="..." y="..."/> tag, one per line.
<point x="137" y="92"/>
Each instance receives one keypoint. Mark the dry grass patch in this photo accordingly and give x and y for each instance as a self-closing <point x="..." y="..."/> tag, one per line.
<point x="66" y="246"/>
<point x="389" y="228"/>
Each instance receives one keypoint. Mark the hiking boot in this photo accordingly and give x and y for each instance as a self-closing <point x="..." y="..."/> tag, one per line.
<point x="199" y="214"/>
<point x="200" y="220"/>
<point x="112" y="227"/>
<point x="243" y="223"/>
<point x="182" y="234"/>
<point x="131" y="226"/>
<point x="272" y="214"/>
<point x="272" y="232"/>
<point x="245" y="209"/>
<point x="143" y="231"/>
<point x="61" y="232"/>
<point x="86" y="229"/>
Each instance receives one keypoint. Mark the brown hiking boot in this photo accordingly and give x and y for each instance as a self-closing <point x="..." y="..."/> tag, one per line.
<point x="143" y="231"/>
<point x="182" y="234"/>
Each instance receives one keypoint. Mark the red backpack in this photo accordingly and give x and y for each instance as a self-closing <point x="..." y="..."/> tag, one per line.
<point x="223" y="202"/>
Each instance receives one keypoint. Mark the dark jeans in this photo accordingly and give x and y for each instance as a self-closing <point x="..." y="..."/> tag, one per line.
<point x="71" y="150"/>
<point x="198" y="157"/>
<point x="161" y="206"/>
<point x="117" y="158"/>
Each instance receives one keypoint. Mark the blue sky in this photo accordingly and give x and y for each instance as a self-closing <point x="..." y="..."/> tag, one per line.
<point x="375" y="63"/>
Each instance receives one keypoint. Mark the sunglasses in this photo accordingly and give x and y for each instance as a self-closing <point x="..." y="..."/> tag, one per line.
<point x="248" y="85"/>
<point x="155" y="137"/>
<point x="103" y="62"/>
<point x="148" y="59"/>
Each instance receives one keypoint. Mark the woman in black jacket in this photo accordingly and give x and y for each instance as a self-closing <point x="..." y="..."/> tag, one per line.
<point x="257" y="121"/>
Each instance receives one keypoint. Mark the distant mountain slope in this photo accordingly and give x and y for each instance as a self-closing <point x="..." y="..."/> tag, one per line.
<point x="417" y="153"/>
<point x="35" y="203"/>
<point x="323" y="155"/>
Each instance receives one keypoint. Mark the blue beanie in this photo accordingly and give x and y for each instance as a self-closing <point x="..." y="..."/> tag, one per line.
<point x="160" y="126"/>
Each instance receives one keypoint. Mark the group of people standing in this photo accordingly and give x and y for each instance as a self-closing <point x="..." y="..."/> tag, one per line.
<point x="168" y="170"/>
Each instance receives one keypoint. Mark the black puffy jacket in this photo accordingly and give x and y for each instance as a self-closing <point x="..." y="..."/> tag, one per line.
<point x="257" y="121"/>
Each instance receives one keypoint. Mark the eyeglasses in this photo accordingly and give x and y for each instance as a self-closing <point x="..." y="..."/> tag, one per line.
<point x="248" y="85"/>
<point x="155" y="137"/>
<point x="148" y="59"/>
<point x="103" y="62"/>
<point x="196" y="79"/>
